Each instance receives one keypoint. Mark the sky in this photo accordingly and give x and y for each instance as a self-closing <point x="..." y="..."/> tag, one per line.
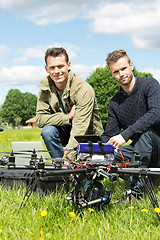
<point x="88" y="30"/>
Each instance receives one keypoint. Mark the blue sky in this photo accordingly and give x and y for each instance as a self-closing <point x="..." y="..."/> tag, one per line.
<point x="89" y="30"/>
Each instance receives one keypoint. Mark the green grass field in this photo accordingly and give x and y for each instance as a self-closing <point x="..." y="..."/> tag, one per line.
<point x="51" y="217"/>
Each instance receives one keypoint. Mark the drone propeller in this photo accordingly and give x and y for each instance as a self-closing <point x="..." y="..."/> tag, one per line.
<point x="6" y="152"/>
<point x="16" y="153"/>
<point x="34" y="150"/>
<point x="40" y="158"/>
<point x="24" y="151"/>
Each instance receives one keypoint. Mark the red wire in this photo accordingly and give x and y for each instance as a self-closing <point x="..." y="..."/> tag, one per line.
<point x="122" y="157"/>
<point x="84" y="165"/>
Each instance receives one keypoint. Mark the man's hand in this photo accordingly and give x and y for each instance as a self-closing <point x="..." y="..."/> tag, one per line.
<point x="117" y="141"/>
<point x="72" y="112"/>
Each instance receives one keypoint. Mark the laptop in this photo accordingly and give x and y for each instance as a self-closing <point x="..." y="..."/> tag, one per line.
<point x="23" y="158"/>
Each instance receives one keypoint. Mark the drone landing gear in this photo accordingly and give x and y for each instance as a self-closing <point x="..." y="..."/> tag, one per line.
<point x="94" y="195"/>
<point x="149" y="188"/>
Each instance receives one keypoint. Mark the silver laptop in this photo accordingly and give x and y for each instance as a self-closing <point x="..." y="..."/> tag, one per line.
<point x="24" y="157"/>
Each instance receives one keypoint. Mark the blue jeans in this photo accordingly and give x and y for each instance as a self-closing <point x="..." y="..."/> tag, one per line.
<point x="148" y="146"/>
<point x="55" y="138"/>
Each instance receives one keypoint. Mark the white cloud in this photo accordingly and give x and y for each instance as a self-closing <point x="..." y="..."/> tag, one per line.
<point x="154" y="72"/>
<point x="84" y="71"/>
<point x="28" y="74"/>
<point x="31" y="52"/>
<point x="38" y="52"/>
<point x="4" y="50"/>
<point x="139" y="20"/>
<point x="21" y="75"/>
<point x="45" y="12"/>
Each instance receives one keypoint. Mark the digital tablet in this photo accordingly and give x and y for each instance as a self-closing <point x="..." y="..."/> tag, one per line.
<point x="88" y="138"/>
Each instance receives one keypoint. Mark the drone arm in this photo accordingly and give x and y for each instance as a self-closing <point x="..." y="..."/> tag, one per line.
<point x="65" y="172"/>
<point x="140" y="171"/>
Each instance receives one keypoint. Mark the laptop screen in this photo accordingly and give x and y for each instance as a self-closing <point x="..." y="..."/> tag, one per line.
<point x="24" y="157"/>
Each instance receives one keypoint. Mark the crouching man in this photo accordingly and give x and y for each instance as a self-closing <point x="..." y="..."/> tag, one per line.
<point x="133" y="113"/>
<point x="66" y="105"/>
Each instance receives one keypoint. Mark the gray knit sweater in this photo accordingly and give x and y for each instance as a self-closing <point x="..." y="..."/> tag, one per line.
<point x="134" y="113"/>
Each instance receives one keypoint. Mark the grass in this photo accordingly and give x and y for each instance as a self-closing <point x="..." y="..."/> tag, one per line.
<point x="124" y="221"/>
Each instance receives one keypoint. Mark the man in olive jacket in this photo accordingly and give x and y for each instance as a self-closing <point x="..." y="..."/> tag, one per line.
<point x="66" y="105"/>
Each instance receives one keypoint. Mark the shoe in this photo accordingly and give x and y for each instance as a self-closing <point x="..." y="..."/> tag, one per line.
<point x="128" y="197"/>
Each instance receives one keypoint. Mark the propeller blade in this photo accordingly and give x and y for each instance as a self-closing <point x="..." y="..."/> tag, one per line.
<point x="34" y="150"/>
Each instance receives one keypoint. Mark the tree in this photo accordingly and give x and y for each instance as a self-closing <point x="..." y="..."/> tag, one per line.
<point x="105" y="87"/>
<point x="30" y="102"/>
<point x="18" y="107"/>
<point x="141" y="74"/>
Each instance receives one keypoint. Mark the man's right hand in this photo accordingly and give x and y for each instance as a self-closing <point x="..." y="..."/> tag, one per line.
<point x="72" y="112"/>
<point x="117" y="141"/>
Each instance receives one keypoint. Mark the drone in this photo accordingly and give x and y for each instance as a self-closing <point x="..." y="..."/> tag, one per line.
<point x="94" y="162"/>
<point x="99" y="162"/>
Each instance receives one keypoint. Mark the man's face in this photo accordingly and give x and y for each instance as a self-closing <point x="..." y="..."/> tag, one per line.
<point x="58" y="68"/>
<point x="122" y="71"/>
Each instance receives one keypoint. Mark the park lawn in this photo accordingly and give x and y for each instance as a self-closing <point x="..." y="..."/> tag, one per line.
<point x="52" y="217"/>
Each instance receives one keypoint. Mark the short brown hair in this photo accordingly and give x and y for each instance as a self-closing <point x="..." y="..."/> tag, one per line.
<point x="54" y="52"/>
<point x="114" y="56"/>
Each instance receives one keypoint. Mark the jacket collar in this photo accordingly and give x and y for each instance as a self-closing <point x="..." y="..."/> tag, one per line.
<point x="48" y="84"/>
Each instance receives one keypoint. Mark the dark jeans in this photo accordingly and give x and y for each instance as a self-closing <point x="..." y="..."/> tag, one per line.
<point x="148" y="146"/>
<point x="55" y="138"/>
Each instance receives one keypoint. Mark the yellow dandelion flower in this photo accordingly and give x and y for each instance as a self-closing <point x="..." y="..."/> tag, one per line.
<point x="72" y="215"/>
<point x="157" y="210"/>
<point x="131" y="207"/>
<point x="32" y="234"/>
<point x="0" y="230"/>
<point x="44" y="213"/>
<point x="90" y="209"/>
<point x="41" y="233"/>
<point x="41" y="238"/>
<point x="144" y="210"/>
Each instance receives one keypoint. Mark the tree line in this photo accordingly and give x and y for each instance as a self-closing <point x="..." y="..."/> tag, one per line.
<point x="18" y="107"/>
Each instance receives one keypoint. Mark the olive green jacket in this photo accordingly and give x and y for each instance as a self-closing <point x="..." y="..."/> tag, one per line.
<point x="86" y="119"/>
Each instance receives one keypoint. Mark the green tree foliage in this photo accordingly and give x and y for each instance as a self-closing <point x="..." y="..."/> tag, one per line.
<point x="30" y="102"/>
<point x="105" y="87"/>
<point x="18" y="107"/>
<point x="141" y="74"/>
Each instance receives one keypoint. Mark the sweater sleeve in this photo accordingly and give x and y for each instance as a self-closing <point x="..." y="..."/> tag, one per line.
<point x="151" y="117"/>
